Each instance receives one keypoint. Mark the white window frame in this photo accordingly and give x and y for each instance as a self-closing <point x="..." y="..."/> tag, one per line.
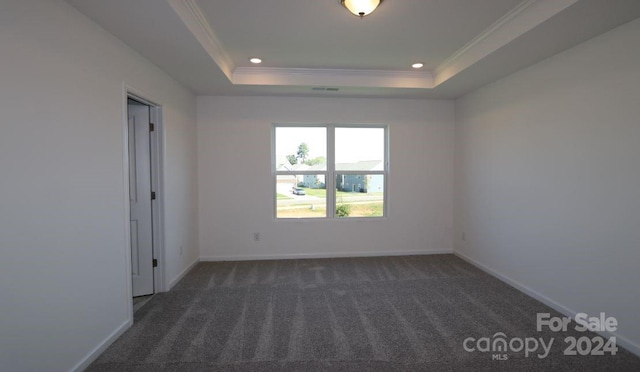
<point x="330" y="174"/>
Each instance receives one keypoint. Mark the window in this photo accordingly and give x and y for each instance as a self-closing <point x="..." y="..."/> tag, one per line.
<point x="327" y="171"/>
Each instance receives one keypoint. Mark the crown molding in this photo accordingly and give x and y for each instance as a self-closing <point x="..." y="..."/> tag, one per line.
<point x="332" y="77"/>
<point x="192" y="16"/>
<point x="520" y="20"/>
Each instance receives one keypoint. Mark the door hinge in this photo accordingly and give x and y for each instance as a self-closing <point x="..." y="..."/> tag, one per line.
<point x="155" y="262"/>
<point x="152" y="127"/>
<point x="153" y="195"/>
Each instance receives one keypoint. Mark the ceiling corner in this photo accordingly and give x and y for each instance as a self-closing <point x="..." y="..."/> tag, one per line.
<point x="193" y="17"/>
<point x="520" y="20"/>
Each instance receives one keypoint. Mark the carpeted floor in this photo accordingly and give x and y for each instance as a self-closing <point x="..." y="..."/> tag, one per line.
<point x="349" y="314"/>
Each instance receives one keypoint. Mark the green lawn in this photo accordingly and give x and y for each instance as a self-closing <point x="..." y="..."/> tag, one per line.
<point x="367" y="210"/>
<point x="302" y="213"/>
<point x="321" y="193"/>
<point x="373" y="209"/>
<point x="342" y="193"/>
<point x="309" y="208"/>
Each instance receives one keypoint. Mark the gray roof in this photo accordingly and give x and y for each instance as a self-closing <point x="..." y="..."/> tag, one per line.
<point x="364" y="165"/>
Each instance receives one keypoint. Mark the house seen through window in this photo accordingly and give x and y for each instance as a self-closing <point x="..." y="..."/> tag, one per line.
<point x="327" y="171"/>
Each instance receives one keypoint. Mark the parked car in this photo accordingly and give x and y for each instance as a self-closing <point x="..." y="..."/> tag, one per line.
<point x="298" y="191"/>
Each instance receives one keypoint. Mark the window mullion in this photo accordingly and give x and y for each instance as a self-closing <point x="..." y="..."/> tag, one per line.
<point x="330" y="180"/>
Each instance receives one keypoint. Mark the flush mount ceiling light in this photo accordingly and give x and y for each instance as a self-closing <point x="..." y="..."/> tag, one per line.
<point x="361" y="8"/>
<point x="417" y="65"/>
<point x="255" y="60"/>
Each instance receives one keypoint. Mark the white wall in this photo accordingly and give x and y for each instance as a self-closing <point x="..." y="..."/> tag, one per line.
<point x="548" y="179"/>
<point x="62" y="208"/>
<point x="236" y="185"/>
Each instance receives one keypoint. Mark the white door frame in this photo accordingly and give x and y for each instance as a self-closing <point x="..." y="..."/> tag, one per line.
<point x="157" y="185"/>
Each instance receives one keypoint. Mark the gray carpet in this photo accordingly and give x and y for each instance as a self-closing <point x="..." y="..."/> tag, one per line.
<point x="349" y="314"/>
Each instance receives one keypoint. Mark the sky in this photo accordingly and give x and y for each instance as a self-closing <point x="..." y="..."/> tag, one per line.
<point x="352" y="144"/>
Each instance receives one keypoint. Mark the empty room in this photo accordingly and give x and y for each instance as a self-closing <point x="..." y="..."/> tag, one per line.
<point x="327" y="185"/>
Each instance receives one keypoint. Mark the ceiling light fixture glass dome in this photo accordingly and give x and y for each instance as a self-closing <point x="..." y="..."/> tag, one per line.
<point x="361" y="8"/>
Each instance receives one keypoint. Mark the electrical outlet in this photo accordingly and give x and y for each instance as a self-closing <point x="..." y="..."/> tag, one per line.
<point x="256" y="237"/>
<point x="180" y="250"/>
<point x="464" y="237"/>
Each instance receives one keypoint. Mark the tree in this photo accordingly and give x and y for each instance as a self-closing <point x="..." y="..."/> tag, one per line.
<point x="292" y="159"/>
<point x="318" y="160"/>
<point x="303" y="151"/>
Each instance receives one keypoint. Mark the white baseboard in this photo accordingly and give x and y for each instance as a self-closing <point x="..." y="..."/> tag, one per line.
<point x="620" y="340"/>
<point x="322" y="255"/>
<point x="98" y="350"/>
<point x="182" y="274"/>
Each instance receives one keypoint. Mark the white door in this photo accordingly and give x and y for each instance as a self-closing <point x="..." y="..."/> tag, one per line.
<point x="140" y="199"/>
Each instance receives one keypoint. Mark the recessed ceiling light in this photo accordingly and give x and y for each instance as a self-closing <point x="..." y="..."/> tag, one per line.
<point x="255" y="60"/>
<point x="417" y="65"/>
